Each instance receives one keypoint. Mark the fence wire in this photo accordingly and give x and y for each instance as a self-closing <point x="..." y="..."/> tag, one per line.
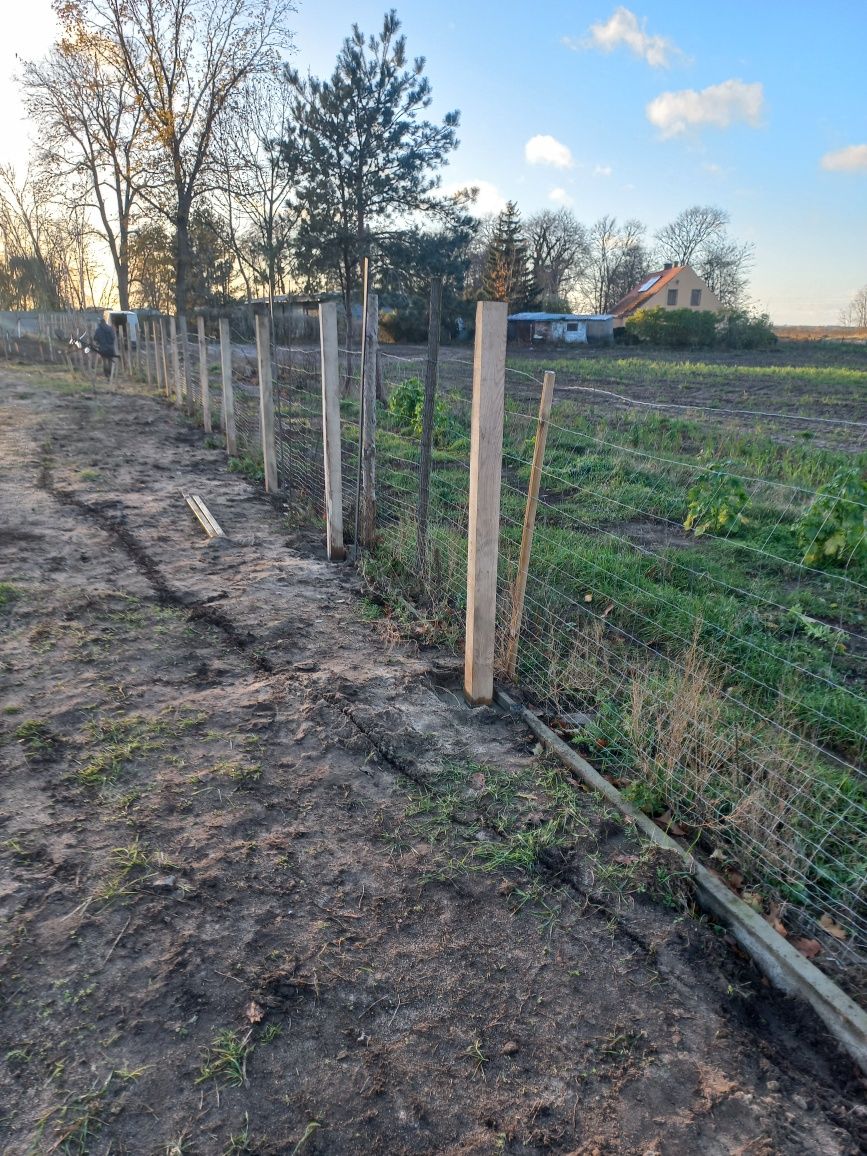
<point x="682" y="629"/>
<point x="694" y="619"/>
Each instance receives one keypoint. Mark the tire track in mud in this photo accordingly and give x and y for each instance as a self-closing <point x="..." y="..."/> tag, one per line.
<point x="199" y="611"/>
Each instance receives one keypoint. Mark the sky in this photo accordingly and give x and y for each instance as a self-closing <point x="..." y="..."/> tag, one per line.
<point x="636" y="110"/>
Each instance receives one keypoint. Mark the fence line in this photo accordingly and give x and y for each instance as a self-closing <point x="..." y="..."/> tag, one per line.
<point x="678" y="625"/>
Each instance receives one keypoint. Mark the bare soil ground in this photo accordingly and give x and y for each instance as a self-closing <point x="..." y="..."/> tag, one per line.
<point x="267" y="887"/>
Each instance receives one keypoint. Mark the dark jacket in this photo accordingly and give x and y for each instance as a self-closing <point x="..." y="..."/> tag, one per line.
<point x="103" y="339"/>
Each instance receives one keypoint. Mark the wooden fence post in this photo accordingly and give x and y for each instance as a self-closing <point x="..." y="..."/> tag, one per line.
<point x="368" y="433"/>
<point x="427" y="421"/>
<point x="204" y="385"/>
<point x="143" y="353"/>
<point x="164" y="356"/>
<point x="228" y="397"/>
<point x="331" y="431"/>
<point x="266" y="402"/>
<point x="186" y="376"/>
<point x="176" y="365"/>
<point x="520" y="587"/>
<point x="486" y="459"/>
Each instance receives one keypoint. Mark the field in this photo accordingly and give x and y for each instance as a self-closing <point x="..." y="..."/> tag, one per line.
<point x="270" y="887"/>
<point x="687" y="622"/>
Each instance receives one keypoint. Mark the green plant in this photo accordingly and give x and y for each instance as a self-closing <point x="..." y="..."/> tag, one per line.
<point x="406" y="406"/>
<point x="226" y="1059"/>
<point x="35" y="736"/>
<point x="716" y="502"/>
<point x="8" y="594"/>
<point x="834" y="528"/>
<point x="252" y="468"/>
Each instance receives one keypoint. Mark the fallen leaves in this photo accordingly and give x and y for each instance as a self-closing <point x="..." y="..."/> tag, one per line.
<point x="809" y="948"/>
<point x="254" y="1012"/>
<point x="833" y="929"/>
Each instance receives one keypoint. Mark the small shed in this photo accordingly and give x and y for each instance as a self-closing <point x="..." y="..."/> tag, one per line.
<point x="569" y="328"/>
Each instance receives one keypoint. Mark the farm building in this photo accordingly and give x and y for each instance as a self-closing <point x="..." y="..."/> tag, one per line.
<point x="570" y="328"/>
<point x="672" y="287"/>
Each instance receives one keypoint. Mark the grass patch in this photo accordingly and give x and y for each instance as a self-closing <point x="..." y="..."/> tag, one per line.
<point x="226" y="1059"/>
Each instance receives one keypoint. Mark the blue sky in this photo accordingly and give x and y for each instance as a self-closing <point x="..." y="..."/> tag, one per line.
<point x="643" y="110"/>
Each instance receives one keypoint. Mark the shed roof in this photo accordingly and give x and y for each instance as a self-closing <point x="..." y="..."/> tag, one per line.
<point x="559" y="316"/>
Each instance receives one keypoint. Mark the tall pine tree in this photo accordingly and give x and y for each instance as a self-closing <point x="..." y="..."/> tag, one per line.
<point x="507" y="275"/>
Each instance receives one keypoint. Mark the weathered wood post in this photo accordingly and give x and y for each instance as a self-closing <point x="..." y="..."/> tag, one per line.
<point x="266" y="402"/>
<point x="204" y="384"/>
<point x="427" y="420"/>
<point x="520" y="588"/>
<point x="228" y="397"/>
<point x="486" y="458"/>
<point x="144" y="353"/>
<point x="165" y="355"/>
<point x="368" y="433"/>
<point x="176" y="364"/>
<point x="186" y="397"/>
<point x="331" y="431"/>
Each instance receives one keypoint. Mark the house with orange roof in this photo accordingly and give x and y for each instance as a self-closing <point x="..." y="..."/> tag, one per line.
<point x="672" y="287"/>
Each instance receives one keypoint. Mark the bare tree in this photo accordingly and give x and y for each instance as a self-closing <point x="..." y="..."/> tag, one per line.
<point x="855" y="313"/>
<point x="559" y="250"/>
<point x="34" y="272"/>
<point x="184" y="60"/>
<point x="685" y="238"/>
<point x="698" y="237"/>
<point x="617" y="260"/>
<point x="90" y="125"/>
<point x="257" y="195"/>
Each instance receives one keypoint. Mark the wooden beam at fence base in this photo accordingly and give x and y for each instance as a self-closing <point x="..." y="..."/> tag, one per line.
<point x="204" y="385"/>
<point x="368" y="433"/>
<point x="331" y="431"/>
<point x="520" y="588"/>
<point x="486" y="457"/>
<point x="427" y="420"/>
<point x="266" y="402"/>
<point x="228" y="397"/>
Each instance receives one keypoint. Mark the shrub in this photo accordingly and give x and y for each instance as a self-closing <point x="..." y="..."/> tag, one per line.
<point x="406" y="405"/>
<point x="715" y="503"/>
<point x="834" y="528"/>
<point x="688" y="329"/>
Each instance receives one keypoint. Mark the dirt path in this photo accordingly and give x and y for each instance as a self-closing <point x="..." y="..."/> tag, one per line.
<point x="265" y="888"/>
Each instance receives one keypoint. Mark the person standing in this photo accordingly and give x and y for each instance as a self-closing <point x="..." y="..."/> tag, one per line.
<point x="105" y="341"/>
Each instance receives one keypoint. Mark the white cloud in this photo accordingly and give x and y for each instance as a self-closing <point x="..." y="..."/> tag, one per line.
<point x="720" y="105"/>
<point x="602" y="171"/>
<point x="560" y="197"/>
<point x="623" y="28"/>
<point x="489" y="200"/>
<point x="847" y="160"/>
<point x="545" y="150"/>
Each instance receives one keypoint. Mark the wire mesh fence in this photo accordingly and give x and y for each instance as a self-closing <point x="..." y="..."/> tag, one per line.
<point x="683" y="629"/>
<point x="696" y="598"/>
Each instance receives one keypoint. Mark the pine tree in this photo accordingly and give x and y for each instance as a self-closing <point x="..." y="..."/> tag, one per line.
<point x="507" y="275"/>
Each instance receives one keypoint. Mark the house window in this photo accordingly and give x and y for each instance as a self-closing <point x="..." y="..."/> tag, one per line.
<point x="695" y="297"/>
<point x="571" y="326"/>
<point x="672" y="297"/>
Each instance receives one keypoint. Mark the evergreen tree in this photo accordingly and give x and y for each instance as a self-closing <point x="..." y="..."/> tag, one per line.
<point x="507" y="275"/>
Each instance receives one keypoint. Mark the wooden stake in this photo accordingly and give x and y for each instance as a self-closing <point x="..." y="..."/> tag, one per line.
<point x="164" y="356"/>
<point x="176" y="364"/>
<point x="427" y="420"/>
<point x="204" y="384"/>
<point x="266" y="402"/>
<point x="486" y="456"/>
<point x="520" y="587"/>
<point x="368" y="441"/>
<point x="186" y="376"/>
<point x="228" y="414"/>
<point x="143" y="352"/>
<point x="331" y="431"/>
